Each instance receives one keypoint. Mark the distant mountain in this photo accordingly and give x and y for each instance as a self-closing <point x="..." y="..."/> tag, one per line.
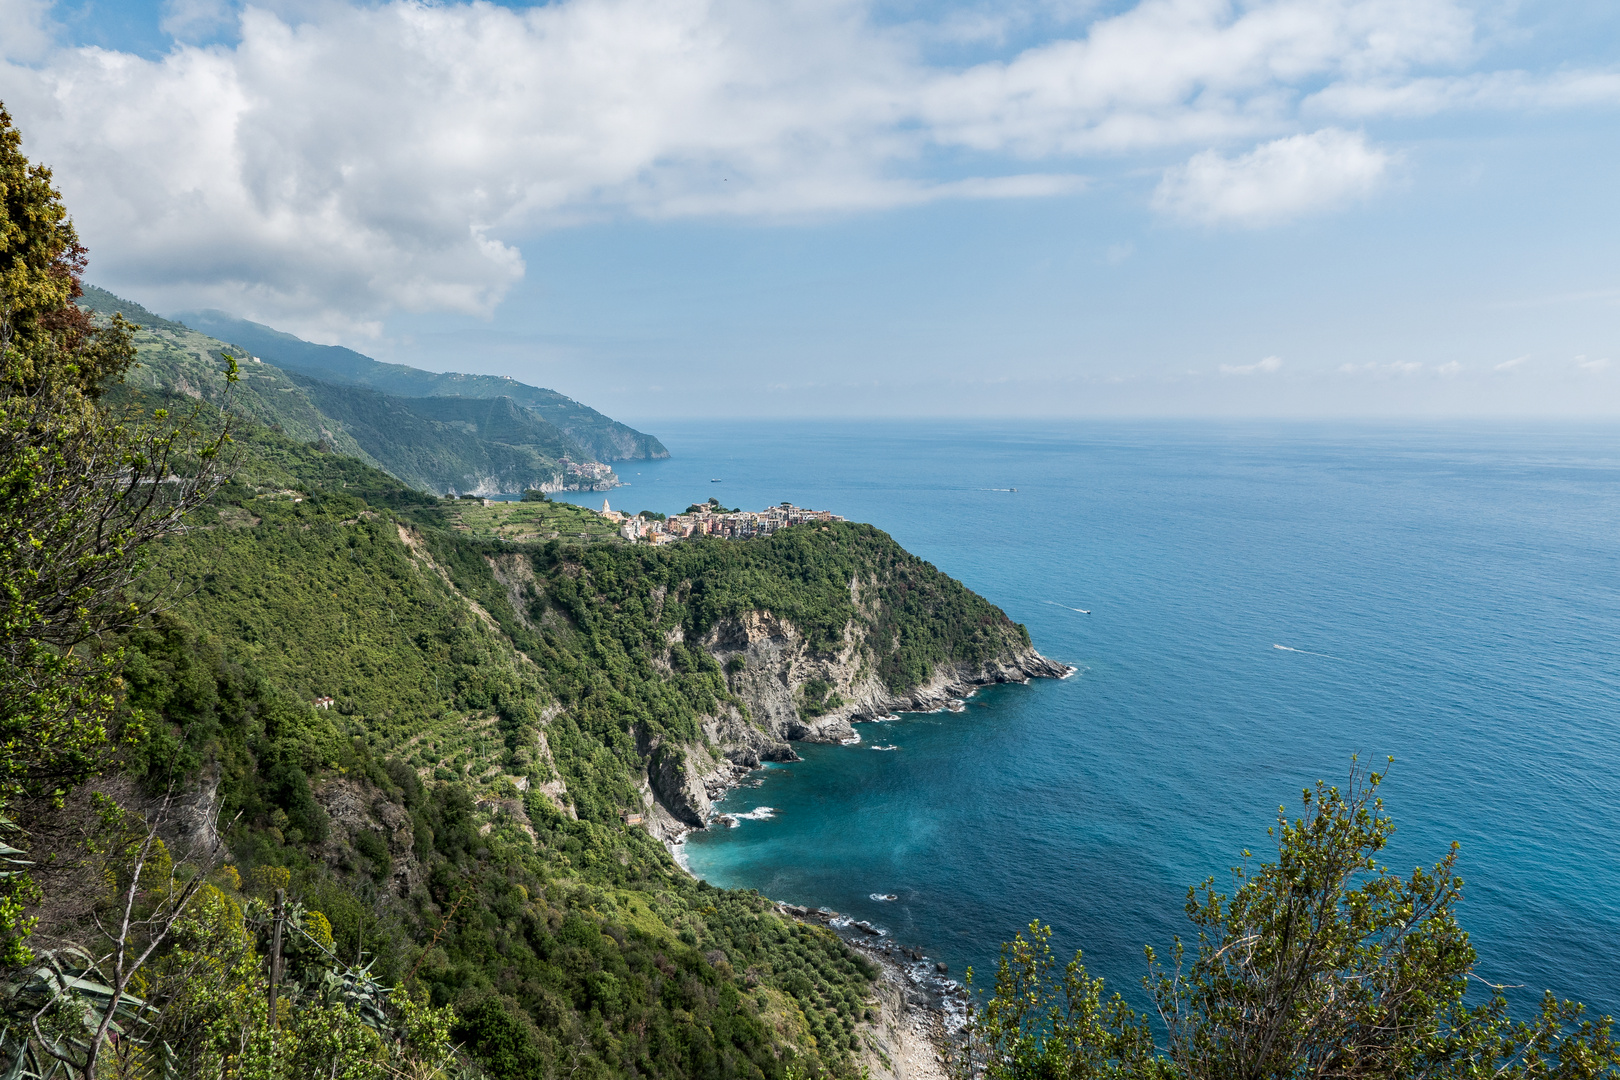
<point x="175" y="359"/>
<point x="470" y="444"/>
<point x="603" y="438"/>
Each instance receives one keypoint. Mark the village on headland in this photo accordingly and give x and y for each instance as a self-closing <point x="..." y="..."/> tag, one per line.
<point x="536" y="517"/>
<point x="712" y="519"/>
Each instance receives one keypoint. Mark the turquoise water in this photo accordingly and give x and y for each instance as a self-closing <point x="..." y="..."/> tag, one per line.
<point x="1452" y="593"/>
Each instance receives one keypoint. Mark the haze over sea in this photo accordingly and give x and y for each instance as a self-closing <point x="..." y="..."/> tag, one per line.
<point x="1447" y="595"/>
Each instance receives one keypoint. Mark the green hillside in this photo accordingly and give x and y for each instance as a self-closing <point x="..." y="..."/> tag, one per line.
<point x="456" y="814"/>
<point x="464" y="443"/>
<point x="603" y="438"/>
<point x="484" y="445"/>
<point x="173" y="358"/>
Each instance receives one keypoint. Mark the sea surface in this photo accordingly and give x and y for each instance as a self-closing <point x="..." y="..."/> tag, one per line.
<point x="1447" y="595"/>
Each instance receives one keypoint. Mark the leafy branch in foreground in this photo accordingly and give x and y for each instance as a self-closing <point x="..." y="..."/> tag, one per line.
<point x="1321" y="964"/>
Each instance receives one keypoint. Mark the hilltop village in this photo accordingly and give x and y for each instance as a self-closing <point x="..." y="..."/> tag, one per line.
<point x="712" y="520"/>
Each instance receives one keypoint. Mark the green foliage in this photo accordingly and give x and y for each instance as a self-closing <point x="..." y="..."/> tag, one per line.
<point x="563" y="944"/>
<point x="177" y="364"/>
<point x="1041" y="1025"/>
<point x="602" y="438"/>
<point x="1323" y="963"/>
<point x="448" y="443"/>
<point x="43" y="336"/>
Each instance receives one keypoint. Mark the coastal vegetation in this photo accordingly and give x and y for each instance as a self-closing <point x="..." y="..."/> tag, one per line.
<point x="1322" y="963"/>
<point x="308" y="772"/>
<point x="603" y="438"/>
<point x="440" y="436"/>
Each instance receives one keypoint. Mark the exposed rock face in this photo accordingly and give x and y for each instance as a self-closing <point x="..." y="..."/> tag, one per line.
<point x="675" y="774"/>
<point x="353" y="807"/>
<point x="768" y="662"/>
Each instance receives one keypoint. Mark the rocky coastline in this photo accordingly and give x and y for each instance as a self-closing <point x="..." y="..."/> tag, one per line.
<point x="921" y="1008"/>
<point x="768" y="664"/>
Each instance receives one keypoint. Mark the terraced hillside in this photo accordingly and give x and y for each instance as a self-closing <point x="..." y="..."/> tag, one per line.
<point x="496" y="708"/>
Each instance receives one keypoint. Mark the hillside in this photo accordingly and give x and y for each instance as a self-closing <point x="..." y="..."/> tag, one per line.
<point x="456" y="444"/>
<point x="463" y="445"/>
<point x="456" y="813"/>
<point x="173" y="358"/>
<point x="603" y="438"/>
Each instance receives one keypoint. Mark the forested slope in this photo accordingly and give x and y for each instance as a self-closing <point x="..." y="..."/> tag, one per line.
<point x="606" y="439"/>
<point x="441" y="435"/>
<point x="490" y="724"/>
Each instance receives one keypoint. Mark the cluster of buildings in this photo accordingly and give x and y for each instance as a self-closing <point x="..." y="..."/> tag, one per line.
<point x="587" y="476"/>
<point x="731" y="524"/>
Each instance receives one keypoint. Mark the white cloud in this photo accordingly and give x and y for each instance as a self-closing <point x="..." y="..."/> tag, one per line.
<point x="1276" y="181"/>
<point x="1509" y="365"/>
<point x="1594" y="366"/>
<point x="1516" y="90"/>
<point x="344" y="158"/>
<point x="1168" y="72"/>
<point x="1451" y="368"/>
<point x="185" y="18"/>
<point x="1395" y="368"/>
<point x="29" y="31"/>
<point x="1266" y="366"/>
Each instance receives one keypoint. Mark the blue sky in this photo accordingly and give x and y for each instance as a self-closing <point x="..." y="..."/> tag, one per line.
<point x="1051" y="207"/>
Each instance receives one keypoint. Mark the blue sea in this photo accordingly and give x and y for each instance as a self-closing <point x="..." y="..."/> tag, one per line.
<point x="1448" y="595"/>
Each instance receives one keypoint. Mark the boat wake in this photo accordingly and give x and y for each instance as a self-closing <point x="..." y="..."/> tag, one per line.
<point x="1307" y="652"/>
<point x="1066" y="607"/>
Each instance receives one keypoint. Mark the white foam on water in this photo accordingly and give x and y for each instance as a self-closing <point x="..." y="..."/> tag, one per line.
<point x="1307" y="652"/>
<point x="758" y="813"/>
<point x="884" y="896"/>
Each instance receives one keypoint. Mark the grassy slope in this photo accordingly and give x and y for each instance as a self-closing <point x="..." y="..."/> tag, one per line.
<point x="577" y="947"/>
<point x="449" y="444"/>
<point x="176" y="359"/>
<point x="604" y="438"/>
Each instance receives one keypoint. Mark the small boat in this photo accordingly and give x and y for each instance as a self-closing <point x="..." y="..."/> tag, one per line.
<point x="715" y="480"/>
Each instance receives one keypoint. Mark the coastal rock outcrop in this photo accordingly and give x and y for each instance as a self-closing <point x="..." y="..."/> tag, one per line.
<point x="769" y="665"/>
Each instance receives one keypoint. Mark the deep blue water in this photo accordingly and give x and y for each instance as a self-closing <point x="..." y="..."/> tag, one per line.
<point x="1458" y="583"/>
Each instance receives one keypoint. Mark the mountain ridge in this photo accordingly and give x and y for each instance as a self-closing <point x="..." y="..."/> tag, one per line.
<point x="475" y="443"/>
<point x="606" y="439"/>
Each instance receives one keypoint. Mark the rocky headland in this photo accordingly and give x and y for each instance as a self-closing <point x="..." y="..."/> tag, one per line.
<point x="769" y="663"/>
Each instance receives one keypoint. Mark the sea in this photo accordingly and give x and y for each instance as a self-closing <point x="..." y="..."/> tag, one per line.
<point x="1248" y="606"/>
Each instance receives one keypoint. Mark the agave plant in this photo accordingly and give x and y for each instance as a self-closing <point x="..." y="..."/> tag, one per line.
<point x="50" y="1014"/>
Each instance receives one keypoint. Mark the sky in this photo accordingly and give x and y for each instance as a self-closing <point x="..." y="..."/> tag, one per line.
<point x="1269" y="208"/>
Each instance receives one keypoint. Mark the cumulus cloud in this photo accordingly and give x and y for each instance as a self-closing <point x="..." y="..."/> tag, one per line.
<point x="340" y="159"/>
<point x="29" y="32"/>
<point x="1274" y="182"/>
<point x="1266" y="366"/>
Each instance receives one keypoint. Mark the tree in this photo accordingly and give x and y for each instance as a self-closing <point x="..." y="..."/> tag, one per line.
<point x="84" y="488"/>
<point x="1322" y="964"/>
